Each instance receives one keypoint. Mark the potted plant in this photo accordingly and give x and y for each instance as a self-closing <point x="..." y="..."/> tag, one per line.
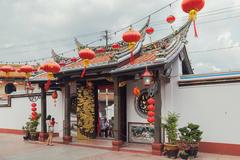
<point x="171" y="148"/>
<point x="183" y="155"/>
<point x="191" y="135"/>
<point x="30" y="129"/>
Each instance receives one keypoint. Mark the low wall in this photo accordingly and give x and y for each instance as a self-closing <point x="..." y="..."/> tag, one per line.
<point x="14" y="116"/>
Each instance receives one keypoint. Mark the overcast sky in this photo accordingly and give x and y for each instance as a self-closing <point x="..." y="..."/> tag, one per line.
<point x="31" y="28"/>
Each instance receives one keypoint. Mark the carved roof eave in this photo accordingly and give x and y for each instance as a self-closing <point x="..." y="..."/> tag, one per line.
<point x="170" y="53"/>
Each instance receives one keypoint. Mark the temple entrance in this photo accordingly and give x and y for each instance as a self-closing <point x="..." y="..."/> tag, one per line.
<point x="105" y="112"/>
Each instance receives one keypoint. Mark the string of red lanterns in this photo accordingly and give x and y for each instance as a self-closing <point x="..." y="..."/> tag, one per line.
<point x="34" y="113"/>
<point x="151" y="109"/>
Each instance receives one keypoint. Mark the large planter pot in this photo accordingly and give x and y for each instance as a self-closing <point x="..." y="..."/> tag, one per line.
<point x="171" y="150"/>
<point x="184" y="156"/>
<point x="34" y="136"/>
<point x="193" y="150"/>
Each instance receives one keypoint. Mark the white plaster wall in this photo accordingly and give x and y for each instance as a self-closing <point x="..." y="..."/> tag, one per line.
<point x="16" y="116"/>
<point x="216" y="108"/>
<point x="132" y="115"/>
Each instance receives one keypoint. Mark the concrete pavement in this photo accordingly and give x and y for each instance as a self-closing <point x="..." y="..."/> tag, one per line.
<point x="12" y="147"/>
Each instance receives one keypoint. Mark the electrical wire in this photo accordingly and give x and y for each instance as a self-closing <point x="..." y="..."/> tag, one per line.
<point x="214" y="49"/>
<point x="210" y="13"/>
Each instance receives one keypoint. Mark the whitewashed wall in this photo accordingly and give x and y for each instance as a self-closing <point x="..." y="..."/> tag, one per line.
<point x="216" y="108"/>
<point x="16" y="116"/>
<point x="166" y="92"/>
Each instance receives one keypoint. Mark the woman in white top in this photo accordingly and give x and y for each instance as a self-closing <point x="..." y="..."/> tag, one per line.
<point x="50" y="130"/>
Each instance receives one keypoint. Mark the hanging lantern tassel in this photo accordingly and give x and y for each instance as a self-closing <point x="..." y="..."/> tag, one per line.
<point x="131" y="45"/>
<point x="85" y="64"/>
<point x="193" y="17"/>
<point x="47" y="85"/>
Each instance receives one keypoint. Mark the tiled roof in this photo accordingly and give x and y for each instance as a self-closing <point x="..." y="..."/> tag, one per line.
<point x="103" y="58"/>
<point x="155" y="53"/>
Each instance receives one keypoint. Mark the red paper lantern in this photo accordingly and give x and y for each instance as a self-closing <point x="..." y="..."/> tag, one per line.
<point x="86" y="54"/>
<point x="170" y="19"/>
<point x="151" y="114"/>
<point x="151" y="107"/>
<point x="151" y="101"/>
<point x="34" y="109"/>
<point x="34" y="113"/>
<point x="151" y="119"/>
<point x="50" y="68"/>
<point x="136" y="91"/>
<point x="62" y="63"/>
<point x="7" y="69"/>
<point x="74" y="59"/>
<point x="149" y="30"/>
<point x="27" y="69"/>
<point x="34" y="105"/>
<point x="131" y="37"/>
<point x="54" y="97"/>
<point x="34" y="117"/>
<point x="192" y="7"/>
<point x="115" y="46"/>
<point x="100" y="50"/>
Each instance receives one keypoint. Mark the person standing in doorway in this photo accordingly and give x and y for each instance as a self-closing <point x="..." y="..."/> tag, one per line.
<point x="106" y="127"/>
<point x="111" y="134"/>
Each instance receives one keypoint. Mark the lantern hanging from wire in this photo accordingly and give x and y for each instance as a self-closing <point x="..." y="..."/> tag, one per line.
<point x="86" y="55"/>
<point x="192" y="7"/>
<point x="149" y="31"/>
<point x="171" y="19"/>
<point x="27" y="69"/>
<point x="73" y="59"/>
<point x="62" y="63"/>
<point x="100" y="50"/>
<point x="131" y="37"/>
<point x="51" y="68"/>
<point x="136" y="91"/>
<point x="54" y="97"/>
<point x="115" y="46"/>
<point x="7" y="69"/>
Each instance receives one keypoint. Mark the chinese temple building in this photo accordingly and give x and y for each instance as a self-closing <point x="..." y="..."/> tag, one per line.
<point x="116" y="86"/>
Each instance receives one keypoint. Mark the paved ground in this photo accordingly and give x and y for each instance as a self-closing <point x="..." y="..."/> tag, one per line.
<point x="13" y="148"/>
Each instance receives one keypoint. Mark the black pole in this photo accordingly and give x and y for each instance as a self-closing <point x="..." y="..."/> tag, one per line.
<point x="43" y="110"/>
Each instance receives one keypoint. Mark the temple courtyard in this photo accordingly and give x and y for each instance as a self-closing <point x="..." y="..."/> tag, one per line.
<point x="14" y="148"/>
